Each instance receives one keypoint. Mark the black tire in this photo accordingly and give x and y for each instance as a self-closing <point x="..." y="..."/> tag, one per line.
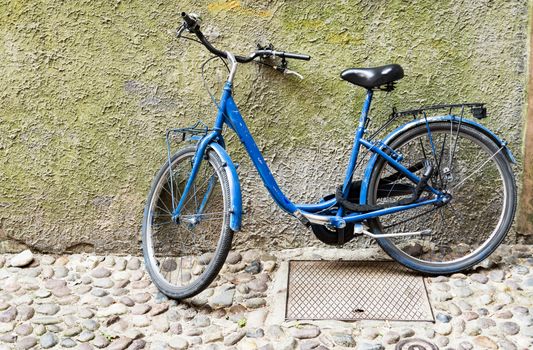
<point x="417" y="254"/>
<point x="157" y="266"/>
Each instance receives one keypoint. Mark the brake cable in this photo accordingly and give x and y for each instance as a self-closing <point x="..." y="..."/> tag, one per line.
<point x="204" y="80"/>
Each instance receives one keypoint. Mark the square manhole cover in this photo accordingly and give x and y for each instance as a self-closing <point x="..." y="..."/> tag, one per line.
<point x="355" y="290"/>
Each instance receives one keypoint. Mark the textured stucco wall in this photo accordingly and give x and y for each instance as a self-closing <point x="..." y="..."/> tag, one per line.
<point x="88" y="89"/>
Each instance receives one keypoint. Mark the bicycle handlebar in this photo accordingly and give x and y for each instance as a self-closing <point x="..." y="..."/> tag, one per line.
<point x="193" y="26"/>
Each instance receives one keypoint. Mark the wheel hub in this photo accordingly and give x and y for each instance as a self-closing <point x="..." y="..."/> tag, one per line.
<point x="446" y="198"/>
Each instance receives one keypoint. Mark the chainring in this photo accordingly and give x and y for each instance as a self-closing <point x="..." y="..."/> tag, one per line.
<point x="338" y="236"/>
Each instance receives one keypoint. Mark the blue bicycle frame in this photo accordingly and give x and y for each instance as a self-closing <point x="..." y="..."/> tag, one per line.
<point x="228" y="114"/>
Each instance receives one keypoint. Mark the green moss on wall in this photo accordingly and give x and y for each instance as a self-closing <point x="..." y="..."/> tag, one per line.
<point x="90" y="87"/>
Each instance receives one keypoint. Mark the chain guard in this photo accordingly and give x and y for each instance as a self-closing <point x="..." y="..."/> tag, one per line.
<point x="340" y="236"/>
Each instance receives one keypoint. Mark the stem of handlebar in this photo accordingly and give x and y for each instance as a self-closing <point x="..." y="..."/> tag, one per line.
<point x="233" y="62"/>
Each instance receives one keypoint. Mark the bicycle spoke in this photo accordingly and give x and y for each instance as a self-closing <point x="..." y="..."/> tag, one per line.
<point x="439" y="172"/>
<point x="165" y="209"/>
<point x="478" y="168"/>
<point x="205" y="216"/>
<point x="410" y="218"/>
<point x="452" y="153"/>
<point x="163" y="223"/>
<point x="199" y="187"/>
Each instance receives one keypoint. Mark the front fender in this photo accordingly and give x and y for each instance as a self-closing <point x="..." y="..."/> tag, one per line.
<point x="403" y="128"/>
<point x="234" y="186"/>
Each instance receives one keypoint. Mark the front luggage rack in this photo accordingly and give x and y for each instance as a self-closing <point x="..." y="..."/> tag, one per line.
<point x="192" y="133"/>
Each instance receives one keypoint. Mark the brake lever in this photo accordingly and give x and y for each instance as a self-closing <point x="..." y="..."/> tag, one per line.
<point x="291" y="72"/>
<point x="283" y="69"/>
<point x="180" y="30"/>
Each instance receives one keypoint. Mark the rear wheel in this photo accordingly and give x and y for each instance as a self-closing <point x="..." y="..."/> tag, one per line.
<point x="470" y="167"/>
<point x="183" y="258"/>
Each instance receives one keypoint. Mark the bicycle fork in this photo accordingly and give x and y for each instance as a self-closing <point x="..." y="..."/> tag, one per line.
<point x="197" y="160"/>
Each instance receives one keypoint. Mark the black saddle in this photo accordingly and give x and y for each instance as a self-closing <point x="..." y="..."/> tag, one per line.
<point x="372" y="78"/>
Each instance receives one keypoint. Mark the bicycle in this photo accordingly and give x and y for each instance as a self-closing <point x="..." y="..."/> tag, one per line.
<point x="447" y="179"/>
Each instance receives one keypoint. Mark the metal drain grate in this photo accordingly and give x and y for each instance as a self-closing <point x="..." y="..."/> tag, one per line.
<point x="355" y="290"/>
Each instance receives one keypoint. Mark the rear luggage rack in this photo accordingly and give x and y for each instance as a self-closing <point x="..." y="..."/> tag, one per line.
<point x="478" y="110"/>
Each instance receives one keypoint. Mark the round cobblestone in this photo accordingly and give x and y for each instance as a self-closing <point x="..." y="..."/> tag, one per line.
<point x="510" y="328"/>
<point x="48" y="340"/>
<point x="68" y="343"/>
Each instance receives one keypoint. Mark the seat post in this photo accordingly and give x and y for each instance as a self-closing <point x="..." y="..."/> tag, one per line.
<point x="365" y="110"/>
<point x="356" y="145"/>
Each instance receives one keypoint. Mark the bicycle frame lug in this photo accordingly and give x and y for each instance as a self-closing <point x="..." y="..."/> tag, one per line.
<point x="337" y="222"/>
<point x="397" y="156"/>
<point x="446" y="198"/>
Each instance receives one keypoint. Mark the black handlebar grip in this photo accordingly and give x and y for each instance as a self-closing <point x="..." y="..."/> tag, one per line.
<point x="268" y="53"/>
<point x="191" y="23"/>
<point x="296" y="56"/>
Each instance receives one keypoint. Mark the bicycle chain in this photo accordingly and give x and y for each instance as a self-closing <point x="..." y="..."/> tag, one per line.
<point x="412" y="217"/>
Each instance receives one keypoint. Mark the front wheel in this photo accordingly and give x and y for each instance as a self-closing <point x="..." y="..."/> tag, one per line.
<point x="474" y="171"/>
<point x="184" y="257"/>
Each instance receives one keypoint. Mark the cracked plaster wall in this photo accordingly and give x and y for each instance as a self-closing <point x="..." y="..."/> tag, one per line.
<point x="89" y="87"/>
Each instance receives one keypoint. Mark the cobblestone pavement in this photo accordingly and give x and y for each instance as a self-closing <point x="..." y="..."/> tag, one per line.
<point x="87" y="302"/>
